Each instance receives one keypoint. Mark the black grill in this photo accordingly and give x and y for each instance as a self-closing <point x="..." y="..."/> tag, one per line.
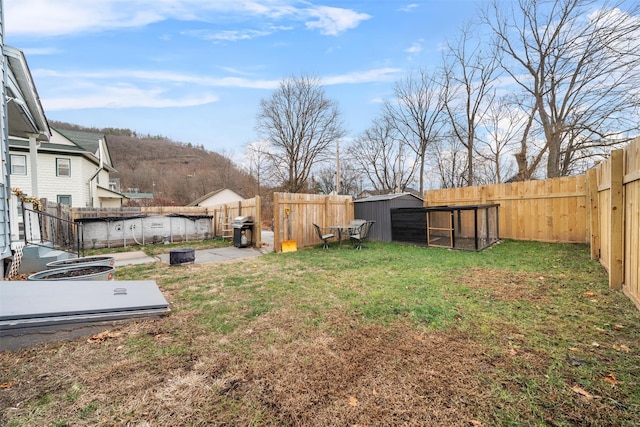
<point x="242" y="231"/>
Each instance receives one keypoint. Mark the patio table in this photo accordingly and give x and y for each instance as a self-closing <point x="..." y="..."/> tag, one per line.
<point x="343" y="229"/>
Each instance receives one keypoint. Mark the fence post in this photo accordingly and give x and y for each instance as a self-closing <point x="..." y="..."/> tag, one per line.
<point x="276" y="222"/>
<point x="616" y="257"/>
<point x="258" y="222"/>
<point x="594" y="214"/>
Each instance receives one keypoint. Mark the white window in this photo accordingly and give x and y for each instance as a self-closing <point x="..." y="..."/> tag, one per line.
<point x="63" y="167"/>
<point x="18" y="164"/>
<point x="64" y="199"/>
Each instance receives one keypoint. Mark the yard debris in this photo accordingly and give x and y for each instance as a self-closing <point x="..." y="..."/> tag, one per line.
<point x="475" y="423"/>
<point x="621" y="347"/>
<point x="7" y="384"/>
<point x="353" y="401"/>
<point x="585" y="394"/>
<point x="103" y="336"/>
<point x="589" y="294"/>
<point x="611" y="379"/>
<point x="618" y="327"/>
<point x="595" y="344"/>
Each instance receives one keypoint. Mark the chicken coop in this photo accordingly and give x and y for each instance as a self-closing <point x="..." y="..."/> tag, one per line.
<point x="469" y="227"/>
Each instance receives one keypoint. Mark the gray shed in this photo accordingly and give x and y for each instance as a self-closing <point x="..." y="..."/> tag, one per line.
<point x="378" y="209"/>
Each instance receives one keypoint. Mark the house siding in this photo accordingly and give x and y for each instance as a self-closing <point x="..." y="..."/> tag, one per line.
<point x="50" y="185"/>
<point x="5" y="226"/>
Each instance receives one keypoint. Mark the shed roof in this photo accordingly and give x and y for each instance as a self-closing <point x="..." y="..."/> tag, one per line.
<point x="391" y="196"/>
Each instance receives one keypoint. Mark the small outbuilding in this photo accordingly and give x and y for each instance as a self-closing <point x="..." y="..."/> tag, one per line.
<point x="218" y="197"/>
<point x="378" y="209"/>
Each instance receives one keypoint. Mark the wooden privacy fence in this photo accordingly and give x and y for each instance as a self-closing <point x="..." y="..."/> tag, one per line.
<point x="304" y="210"/>
<point x="552" y="210"/>
<point x="224" y="214"/>
<point x="601" y="208"/>
<point x="614" y="198"/>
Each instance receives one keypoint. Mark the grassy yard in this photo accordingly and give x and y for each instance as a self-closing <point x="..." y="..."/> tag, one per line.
<point x="520" y="334"/>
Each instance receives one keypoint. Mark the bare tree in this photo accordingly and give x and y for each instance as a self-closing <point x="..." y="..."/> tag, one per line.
<point x="449" y="159"/>
<point x="503" y="123"/>
<point x="470" y="69"/>
<point x="325" y="180"/>
<point x="416" y="113"/>
<point x="578" y="60"/>
<point x="377" y="153"/>
<point x="301" y="125"/>
<point x="258" y="165"/>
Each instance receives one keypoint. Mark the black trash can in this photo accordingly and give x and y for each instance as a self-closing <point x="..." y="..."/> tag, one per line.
<point x="242" y="231"/>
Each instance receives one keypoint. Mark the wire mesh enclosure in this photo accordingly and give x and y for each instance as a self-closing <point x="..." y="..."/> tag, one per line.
<point x="472" y="227"/>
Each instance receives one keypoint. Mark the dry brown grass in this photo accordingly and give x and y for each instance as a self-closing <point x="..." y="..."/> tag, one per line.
<point x="312" y="367"/>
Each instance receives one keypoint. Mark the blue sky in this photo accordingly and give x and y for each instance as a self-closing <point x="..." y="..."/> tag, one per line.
<point x="195" y="70"/>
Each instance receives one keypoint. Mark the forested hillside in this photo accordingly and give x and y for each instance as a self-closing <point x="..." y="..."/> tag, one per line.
<point x="174" y="172"/>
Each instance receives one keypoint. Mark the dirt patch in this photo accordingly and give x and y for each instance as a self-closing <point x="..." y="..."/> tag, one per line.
<point x="369" y="375"/>
<point x="504" y="285"/>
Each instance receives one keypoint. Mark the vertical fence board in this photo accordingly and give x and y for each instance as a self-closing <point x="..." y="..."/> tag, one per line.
<point x="553" y="210"/>
<point x="616" y="263"/>
<point x="306" y="210"/>
<point x="631" y="192"/>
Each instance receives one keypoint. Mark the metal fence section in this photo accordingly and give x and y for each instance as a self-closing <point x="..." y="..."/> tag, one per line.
<point x="41" y="228"/>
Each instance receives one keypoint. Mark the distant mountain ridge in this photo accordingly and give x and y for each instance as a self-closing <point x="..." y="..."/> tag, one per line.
<point x="174" y="172"/>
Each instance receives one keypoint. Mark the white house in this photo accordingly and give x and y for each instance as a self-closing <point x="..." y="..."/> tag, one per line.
<point x="72" y="168"/>
<point x="22" y="116"/>
<point x="218" y="197"/>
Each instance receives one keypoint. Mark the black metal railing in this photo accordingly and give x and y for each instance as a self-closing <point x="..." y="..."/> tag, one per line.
<point x="45" y="229"/>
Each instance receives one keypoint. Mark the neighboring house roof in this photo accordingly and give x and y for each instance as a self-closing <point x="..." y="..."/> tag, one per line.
<point x="210" y="195"/>
<point x="84" y="148"/>
<point x="138" y="195"/>
<point x="89" y="141"/>
<point x="107" y="192"/>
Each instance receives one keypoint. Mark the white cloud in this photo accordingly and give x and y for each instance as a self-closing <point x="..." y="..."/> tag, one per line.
<point x="228" y="35"/>
<point x="40" y="51"/>
<point x="123" y="96"/>
<point x="56" y="18"/>
<point x="409" y="8"/>
<point x="333" y="21"/>
<point x="415" y="48"/>
<point x="127" y="88"/>
<point x="165" y="77"/>
<point x="49" y="18"/>
<point x="375" y="75"/>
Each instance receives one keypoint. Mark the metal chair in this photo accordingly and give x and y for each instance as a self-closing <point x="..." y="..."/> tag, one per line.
<point x="361" y="234"/>
<point x="324" y="237"/>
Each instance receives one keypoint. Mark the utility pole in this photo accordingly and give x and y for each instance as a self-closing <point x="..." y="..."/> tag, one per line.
<point x="337" y="167"/>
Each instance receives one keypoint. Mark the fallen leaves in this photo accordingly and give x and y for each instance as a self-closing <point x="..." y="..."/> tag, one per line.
<point x="584" y="394"/>
<point x="7" y="384"/>
<point x="611" y="379"/>
<point x="622" y="348"/>
<point x="353" y="401"/>
<point x="103" y="336"/>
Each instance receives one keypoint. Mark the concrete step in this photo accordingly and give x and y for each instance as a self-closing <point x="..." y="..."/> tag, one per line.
<point x="35" y="258"/>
